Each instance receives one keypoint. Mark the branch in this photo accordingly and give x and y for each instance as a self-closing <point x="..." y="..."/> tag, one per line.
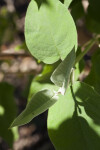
<point x="7" y="55"/>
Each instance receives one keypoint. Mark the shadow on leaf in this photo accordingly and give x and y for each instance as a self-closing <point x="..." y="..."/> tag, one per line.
<point x="77" y="127"/>
<point x="75" y="134"/>
<point x="90" y="101"/>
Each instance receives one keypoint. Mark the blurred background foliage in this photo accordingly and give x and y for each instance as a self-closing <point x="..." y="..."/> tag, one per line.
<point x="21" y="75"/>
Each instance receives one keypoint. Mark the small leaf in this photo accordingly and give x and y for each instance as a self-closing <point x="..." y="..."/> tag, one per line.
<point x="74" y="121"/>
<point x="39" y="103"/>
<point x="44" y="76"/>
<point x="61" y="75"/>
<point x="50" y="31"/>
<point x="36" y="86"/>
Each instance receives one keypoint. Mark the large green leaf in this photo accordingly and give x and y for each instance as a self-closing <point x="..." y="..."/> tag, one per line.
<point x="7" y="113"/>
<point x="49" y="30"/>
<point x="39" y="103"/>
<point x="74" y="121"/>
<point x="61" y="75"/>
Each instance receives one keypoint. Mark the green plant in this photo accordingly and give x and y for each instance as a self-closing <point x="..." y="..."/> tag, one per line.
<point x="74" y="106"/>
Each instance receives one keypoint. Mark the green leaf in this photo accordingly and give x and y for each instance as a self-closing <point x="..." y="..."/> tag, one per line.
<point x="74" y="121"/>
<point x="36" y="86"/>
<point x="67" y="2"/>
<point x="50" y="31"/>
<point x="39" y="103"/>
<point x="44" y="76"/>
<point x="8" y="112"/>
<point x="61" y="75"/>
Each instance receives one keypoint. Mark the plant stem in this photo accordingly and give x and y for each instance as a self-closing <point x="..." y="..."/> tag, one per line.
<point x="89" y="46"/>
<point x="72" y="76"/>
